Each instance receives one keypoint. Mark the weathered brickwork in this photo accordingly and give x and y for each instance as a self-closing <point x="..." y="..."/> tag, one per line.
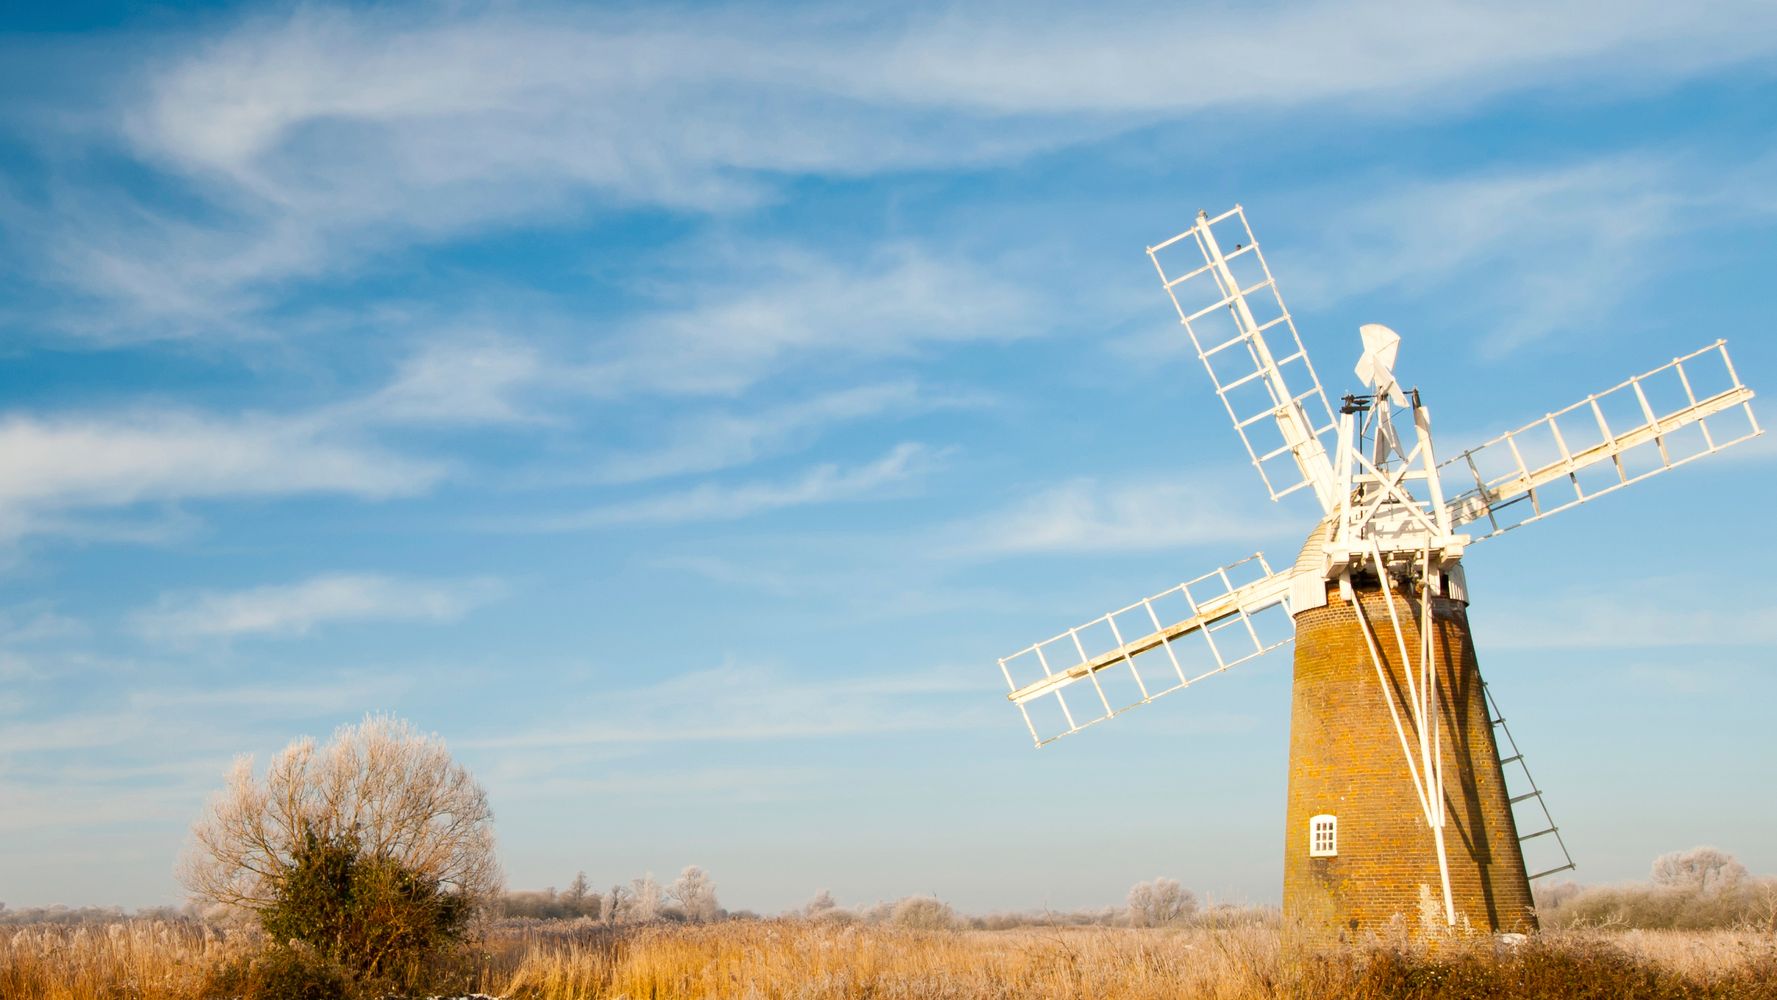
<point x="1346" y="760"/>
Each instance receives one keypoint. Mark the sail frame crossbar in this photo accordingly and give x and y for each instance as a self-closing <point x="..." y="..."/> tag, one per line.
<point x="1224" y="614"/>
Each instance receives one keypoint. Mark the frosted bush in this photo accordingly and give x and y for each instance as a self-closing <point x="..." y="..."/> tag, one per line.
<point x="696" y="895"/>
<point x="923" y="913"/>
<point x="1159" y="903"/>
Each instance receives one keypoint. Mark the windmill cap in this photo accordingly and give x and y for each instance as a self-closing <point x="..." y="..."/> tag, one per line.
<point x="1376" y="366"/>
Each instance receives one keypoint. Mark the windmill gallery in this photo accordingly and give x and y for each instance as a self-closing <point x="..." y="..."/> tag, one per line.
<point x="1398" y="803"/>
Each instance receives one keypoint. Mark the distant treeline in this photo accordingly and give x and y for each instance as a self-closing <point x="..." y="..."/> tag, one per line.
<point x="1161" y="902"/>
<point x="690" y="898"/>
<point x="93" y="914"/>
<point x="1699" y="889"/>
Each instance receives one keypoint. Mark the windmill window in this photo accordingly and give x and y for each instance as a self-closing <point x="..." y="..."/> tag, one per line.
<point x="1323" y="836"/>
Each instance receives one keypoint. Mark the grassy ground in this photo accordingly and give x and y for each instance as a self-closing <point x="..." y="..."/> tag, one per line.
<point x="795" y="960"/>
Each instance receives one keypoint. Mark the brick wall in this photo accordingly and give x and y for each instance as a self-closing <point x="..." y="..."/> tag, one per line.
<point x="1345" y="759"/>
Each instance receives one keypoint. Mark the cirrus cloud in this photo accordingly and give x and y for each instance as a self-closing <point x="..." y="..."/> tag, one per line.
<point x="297" y="608"/>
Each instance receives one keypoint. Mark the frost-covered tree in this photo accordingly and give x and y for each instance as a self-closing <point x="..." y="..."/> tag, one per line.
<point x="821" y="903"/>
<point x="373" y="845"/>
<point x="1160" y="902"/>
<point x="393" y="788"/>
<point x="645" y="902"/>
<point x="612" y="907"/>
<point x="1700" y="870"/>
<point x="696" y="895"/>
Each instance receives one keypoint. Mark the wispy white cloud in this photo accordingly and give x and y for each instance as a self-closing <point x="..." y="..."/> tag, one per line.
<point x="1689" y="678"/>
<point x="1529" y="251"/>
<point x="234" y="105"/>
<point x="36" y="622"/>
<point x="1557" y="245"/>
<point x="296" y="608"/>
<point x="775" y="306"/>
<point x="151" y="755"/>
<point x="81" y="808"/>
<point x="827" y="483"/>
<point x="704" y="784"/>
<point x="744" y="574"/>
<point x="1086" y="515"/>
<point x="341" y="693"/>
<point x="743" y="703"/>
<point x="80" y="731"/>
<point x="1653" y="614"/>
<point x="62" y="466"/>
<point x="1294" y="55"/>
<point x="468" y="381"/>
<point x="325" y="136"/>
<point x="60" y="662"/>
<point x="119" y="475"/>
<point x="165" y="714"/>
<point x="728" y="438"/>
<point x="745" y="313"/>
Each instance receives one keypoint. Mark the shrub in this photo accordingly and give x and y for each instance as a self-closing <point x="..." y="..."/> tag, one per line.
<point x="282" y="973"/>
<point x="1699" y="889"/>
<point x="1700" y="870"/>
<point x="928" y="913"/>
<point x="1541" y="968"/>
<point x="821" y="903"/>
<point x="1159" y="903"/>
<point x="366" y="913"/>
<point x="574" y="902"/>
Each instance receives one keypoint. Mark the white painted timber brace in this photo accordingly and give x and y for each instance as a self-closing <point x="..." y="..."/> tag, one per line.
<point x="1427" y="773"/>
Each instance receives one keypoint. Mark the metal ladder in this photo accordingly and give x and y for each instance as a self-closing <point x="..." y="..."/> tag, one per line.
<point x="1517" y="757"/>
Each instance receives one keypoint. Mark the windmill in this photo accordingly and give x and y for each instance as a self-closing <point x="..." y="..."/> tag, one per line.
<point x="1398" y="798"/>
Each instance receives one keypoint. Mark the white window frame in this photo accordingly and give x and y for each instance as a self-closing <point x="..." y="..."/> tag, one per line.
<point x="1323" y="846"/>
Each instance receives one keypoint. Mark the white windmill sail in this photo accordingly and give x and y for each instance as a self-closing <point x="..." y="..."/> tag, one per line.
<point x="1691" y="407"/>
<point x="1155" y="646"/>
<point x="1230" y="306"/>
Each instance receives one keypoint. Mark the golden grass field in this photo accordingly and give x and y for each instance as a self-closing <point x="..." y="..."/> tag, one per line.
<point x="804" y="960"/>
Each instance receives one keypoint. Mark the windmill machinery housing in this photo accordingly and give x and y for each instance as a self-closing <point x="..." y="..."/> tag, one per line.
<point x="1398" y="800"/>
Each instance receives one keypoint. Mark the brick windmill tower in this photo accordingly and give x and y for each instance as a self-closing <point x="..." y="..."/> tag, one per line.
<point x="1398" y="799"/>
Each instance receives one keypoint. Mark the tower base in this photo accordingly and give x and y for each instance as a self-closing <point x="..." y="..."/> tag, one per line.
<point x="1374" y="864"/>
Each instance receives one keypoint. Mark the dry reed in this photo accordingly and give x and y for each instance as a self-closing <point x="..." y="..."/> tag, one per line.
<point x="814" y="960"/>
<point x="136" y="959"/>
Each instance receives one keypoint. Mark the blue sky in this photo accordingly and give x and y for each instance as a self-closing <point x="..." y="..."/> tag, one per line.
<point x="680" y="408"/>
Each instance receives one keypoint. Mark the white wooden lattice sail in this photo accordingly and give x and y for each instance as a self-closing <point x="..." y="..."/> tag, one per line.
<point x="1231" y="308"/>
<point x="1684" y="410"/>
<point x="1156" y="646"/>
